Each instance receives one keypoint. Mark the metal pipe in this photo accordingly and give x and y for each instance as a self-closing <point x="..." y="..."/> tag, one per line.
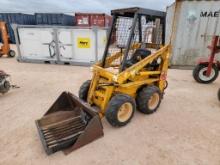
<point x="163" y="29"/>
<point x="140" y="28"/>
<point x="212" y="55"/>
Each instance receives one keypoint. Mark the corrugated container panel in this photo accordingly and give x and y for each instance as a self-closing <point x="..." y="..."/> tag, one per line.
<point x="195" y="24"/>
<point x="16" y="18"/>
<point x="97" y="20"/>
<point x="69" y="20"/>
<point x="28" y="19"/>
<point x="93" y="19"/>
<point x="54" y="19"/>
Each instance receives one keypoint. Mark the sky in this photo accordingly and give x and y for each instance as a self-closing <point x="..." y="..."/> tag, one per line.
<point x="71" y="6"/>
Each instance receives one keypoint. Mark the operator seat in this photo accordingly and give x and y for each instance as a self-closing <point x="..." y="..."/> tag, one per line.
<point x="139" y="54"/>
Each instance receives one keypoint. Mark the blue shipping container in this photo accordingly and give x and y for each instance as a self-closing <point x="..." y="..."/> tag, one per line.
<point x="16" y="18"/>
<point x="36" y="19"/>
<point x="54" y="19"/>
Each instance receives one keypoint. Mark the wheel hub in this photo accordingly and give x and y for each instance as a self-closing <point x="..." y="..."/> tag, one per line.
<point x="202" y="74"/>
<point x="154" y="101"/>
<point x="125" y="112"/>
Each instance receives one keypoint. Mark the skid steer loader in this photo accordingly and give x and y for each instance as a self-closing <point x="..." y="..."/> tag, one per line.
<point x="131" y="75"/>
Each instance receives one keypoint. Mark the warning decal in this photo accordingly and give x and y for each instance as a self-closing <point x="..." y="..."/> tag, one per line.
<point x="83" y="42"/>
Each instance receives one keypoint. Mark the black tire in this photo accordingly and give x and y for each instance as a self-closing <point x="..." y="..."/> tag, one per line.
<point x="6" y="87"/>
<point x="197" y="71"/>
<point x="219" y="94"/>
<point x="11" y="53"/>
<point x="144" y="97"/>
<point x="84" y="89"/>
<point x="113" y="109"/>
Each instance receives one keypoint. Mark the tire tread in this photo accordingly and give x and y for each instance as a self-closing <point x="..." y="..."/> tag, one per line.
<point x="197" y="69"/>
<point x="83" y="90"/>
<point x="143" y="97"/>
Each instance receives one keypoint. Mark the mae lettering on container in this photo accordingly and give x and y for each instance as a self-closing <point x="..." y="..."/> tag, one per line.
<point x="83" y="42"/>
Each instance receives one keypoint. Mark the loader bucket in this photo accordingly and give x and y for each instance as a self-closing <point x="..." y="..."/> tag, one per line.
<point x="69" y="124"/>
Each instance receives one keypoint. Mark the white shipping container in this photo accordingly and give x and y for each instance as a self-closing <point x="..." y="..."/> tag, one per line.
<point x="195" y="22"/>
<point x="60" y="44"/>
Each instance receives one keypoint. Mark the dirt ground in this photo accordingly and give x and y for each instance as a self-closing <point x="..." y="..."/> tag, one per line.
<point x="184" y="131"/>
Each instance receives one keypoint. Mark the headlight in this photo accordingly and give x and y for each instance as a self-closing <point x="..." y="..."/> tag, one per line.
<point x="91" y="69"/>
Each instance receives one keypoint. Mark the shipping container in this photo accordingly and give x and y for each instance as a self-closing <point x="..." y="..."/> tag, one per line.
<point x="28" y="19"/>
<point x="93" y="19"/>
<point x="54" y="19"/>
<point x="16" y="18"/>
<point x="194" y="25"/>
<point x="60" y="44"/>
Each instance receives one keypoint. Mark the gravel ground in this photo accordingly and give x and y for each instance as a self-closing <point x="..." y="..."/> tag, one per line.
<point x="185" y="130"/>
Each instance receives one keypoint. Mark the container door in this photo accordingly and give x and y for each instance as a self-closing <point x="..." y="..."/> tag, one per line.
<point x="82" y="20"/>
<point x="37" y="43"/>
<point x="84" y="45"/>
<point x="65" y="39"/>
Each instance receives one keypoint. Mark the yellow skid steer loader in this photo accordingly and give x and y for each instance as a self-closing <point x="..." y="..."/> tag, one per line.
<point x="131" y="75"/>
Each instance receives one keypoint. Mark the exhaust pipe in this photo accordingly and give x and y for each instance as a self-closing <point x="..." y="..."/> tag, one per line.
<point x="69" y="124"/>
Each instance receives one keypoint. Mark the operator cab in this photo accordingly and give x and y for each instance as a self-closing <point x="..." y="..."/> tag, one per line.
<point x="135" y="34"/>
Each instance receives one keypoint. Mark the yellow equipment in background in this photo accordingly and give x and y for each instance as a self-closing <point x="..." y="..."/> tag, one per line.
<point x="5" y="48"/>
